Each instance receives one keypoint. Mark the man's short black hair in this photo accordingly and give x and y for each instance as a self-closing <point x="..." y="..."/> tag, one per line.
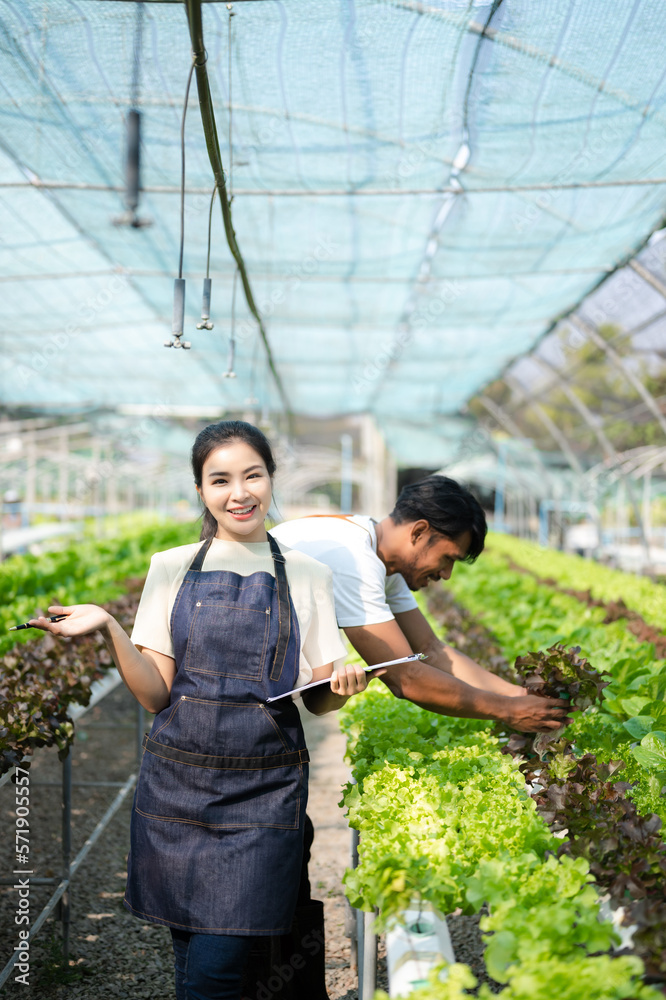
<point x="448" y="507"/>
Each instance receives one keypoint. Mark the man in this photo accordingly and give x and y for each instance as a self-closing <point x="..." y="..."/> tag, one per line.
<point x="434" y="524"/>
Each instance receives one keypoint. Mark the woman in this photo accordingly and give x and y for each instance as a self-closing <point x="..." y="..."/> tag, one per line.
<point x="217" y="822"/>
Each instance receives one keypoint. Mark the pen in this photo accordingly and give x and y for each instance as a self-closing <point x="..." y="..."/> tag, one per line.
<point x="54" y="618"/>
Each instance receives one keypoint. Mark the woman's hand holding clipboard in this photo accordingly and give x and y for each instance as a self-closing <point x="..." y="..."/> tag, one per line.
<point x="368" y="669"/>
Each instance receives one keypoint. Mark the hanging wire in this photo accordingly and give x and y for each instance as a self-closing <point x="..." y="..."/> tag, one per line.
<point x="178" y="320"/>
<point x="230" y="373"/>
<point x="252" y="399"/>
<point x="210" y="227"/>
<point x="182" y="172"/>
<point x="231" y="162"/>
<point x="133" y="129"/>
<point x="136" y="57"/>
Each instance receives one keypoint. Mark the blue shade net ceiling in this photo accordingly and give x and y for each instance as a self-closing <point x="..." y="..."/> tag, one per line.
<point x="419" y="192"/>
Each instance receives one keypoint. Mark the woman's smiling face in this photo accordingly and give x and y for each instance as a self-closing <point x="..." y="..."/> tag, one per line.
<point x="236" y="488"/>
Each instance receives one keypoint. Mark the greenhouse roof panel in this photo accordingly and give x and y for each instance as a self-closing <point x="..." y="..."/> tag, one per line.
<point x="420" y="191"/>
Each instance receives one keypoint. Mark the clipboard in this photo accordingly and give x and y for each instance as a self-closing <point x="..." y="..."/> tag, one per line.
<point x="367" y="668"/>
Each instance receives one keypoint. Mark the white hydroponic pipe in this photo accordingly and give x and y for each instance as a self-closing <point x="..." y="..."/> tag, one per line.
<point x="420" y="941"/>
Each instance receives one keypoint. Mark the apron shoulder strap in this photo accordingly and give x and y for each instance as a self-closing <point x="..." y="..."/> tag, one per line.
<point x="276" y="551"/>
<point x="197" y="563"/>
<point x="284" y="609"/>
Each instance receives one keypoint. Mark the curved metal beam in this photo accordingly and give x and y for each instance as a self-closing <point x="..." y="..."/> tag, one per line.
<point x="649" y="277"/>
<point x="504" y="420"/>
<point x="606" y="446"/>
<point x="551" y="427"/>
<point x="501" y="416"/>
<point x="592" y="334"/>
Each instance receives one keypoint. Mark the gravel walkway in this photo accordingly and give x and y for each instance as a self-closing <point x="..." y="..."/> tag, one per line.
<point x="112" y="954"/>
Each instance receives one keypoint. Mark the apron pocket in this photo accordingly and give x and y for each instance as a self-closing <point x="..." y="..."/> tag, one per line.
<point x="221" y="799"/>
<point x="236" y="651"/>
<point x="222" y="728"/>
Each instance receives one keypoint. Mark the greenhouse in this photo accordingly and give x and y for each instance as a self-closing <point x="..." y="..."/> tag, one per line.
<point x="298" y="299"/>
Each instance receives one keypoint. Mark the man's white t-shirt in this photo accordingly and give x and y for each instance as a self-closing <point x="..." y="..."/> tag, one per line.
<point x="364" y="594"/>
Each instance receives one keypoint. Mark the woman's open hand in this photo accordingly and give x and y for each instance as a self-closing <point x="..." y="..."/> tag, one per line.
<point x="81" y="620"/>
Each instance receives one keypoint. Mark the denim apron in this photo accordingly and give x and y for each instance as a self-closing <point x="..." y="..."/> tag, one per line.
<point x="217" y="821"/>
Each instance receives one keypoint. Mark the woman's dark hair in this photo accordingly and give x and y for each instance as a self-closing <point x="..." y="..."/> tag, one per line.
<point x="215" y="436"/>
<point x="448" y="507"/>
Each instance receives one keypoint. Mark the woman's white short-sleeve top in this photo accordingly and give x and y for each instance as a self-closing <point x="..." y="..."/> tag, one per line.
<point x="310" y="585"/>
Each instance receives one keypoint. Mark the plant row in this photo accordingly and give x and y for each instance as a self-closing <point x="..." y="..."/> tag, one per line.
<point x="605" y="584"/>
<point x="93" y="570"/>
<point x="618" y="732"/>
<point x="445" y="816"/>
<point x="422" y="847"/>
<point x="41" y="677"/>
<point x="614" y="610"/>
<point x="631" y="722"/>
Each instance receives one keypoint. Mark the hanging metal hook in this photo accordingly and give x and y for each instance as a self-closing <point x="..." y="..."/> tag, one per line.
<point x="205" y="323"/>
<point x="178" y="316"/>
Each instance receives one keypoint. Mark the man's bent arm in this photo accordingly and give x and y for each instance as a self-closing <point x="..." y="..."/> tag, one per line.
<point x="420" y="636"/>
<point x="439" y="691"/>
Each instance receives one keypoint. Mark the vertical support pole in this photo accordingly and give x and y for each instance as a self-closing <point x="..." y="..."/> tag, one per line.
<point x="620" y="518"/>
<point x="165" y="486"/>
<point x="369" y="981"/>
<point x="499" y="487"/>
<point x="95" y="492"/>
<point x="533" y="515"/>
<point x="111" y="494"/>
<point x="647" y="505"/>
<point x="543" y="523"/>
<point x="379" y="468"/>
<point x="65" y="902"/>
<point x="360" y="946"/>
<point x="30" y="479"/>
<point x="358" y="935"/>
<point x="352" y="924"/>
<point x="346" y="446"/>
<point x="391" y="489"/>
